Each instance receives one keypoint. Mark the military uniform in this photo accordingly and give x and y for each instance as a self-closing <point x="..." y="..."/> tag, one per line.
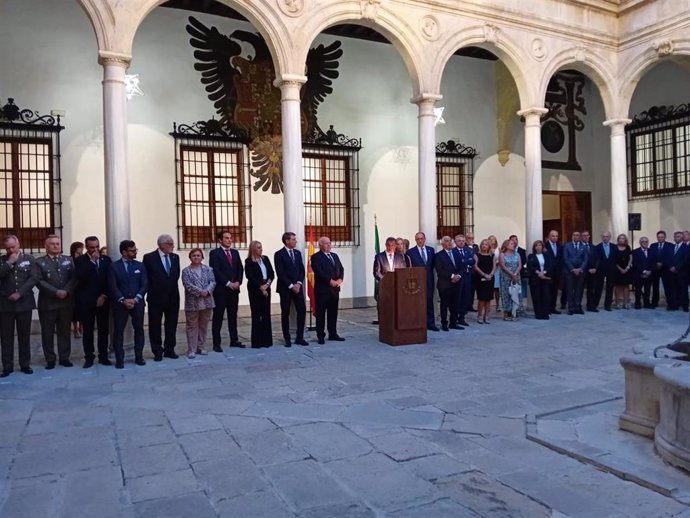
<point x="55" y="315"/>
<point x="18" y="277"/>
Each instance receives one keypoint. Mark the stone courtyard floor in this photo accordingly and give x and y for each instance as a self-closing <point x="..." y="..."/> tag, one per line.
<point x="351" y="429"/>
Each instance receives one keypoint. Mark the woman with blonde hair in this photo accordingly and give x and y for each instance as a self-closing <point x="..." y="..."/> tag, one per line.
<point x="493" y="243"/>
<point x="510" y="265"/>
<point x="260" y="275"/>
<point x="623" y="274"/>
<point x="484" y="269"/>
<point x="198" y="282"/>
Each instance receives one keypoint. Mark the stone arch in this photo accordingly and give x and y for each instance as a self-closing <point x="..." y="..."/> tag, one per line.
<point x="489" y="38"/>
<point x="594" y="67"/>
<point x="99" y="20"/>
<point x="644" y="61"/>
<point x="394" y="28"/>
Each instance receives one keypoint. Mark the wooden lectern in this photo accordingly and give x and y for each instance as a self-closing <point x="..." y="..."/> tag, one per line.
<point x="402" y="307"/>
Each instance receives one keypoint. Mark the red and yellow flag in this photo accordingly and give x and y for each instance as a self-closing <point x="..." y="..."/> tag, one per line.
<point x="310" y="272"/>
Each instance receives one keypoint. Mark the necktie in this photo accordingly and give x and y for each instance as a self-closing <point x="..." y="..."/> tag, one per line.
<point x="423" y="253"/>
<point x="555" y="249"/>
<point x="228" y="256"/>
<point x="126" y="266"/>
<point x="676" y="250"/>
<point x="330" y="258"/>
<point x="292" y="256"/>
<point x="167" y="264"/>
<point x="606" y="250"/>
<point x="577" y="246"/>
<point x="645" y="252"/>
<point x="95" y="263"/>
<point x="390" y="262"/>
<point x="452" y="259"/>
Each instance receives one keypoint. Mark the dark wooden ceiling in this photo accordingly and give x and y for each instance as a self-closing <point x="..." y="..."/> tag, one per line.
<point x="345" y="30"/>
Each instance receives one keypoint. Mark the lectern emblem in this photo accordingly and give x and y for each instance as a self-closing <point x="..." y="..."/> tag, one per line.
<point x="411" y="286"/>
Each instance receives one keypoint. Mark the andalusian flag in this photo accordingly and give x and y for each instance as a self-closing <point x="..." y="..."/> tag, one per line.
<point x="377" y="247"/>
<point x="310" y="272"/>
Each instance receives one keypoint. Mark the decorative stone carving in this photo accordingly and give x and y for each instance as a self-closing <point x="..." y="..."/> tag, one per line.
<point x="580" y="54"/>
<point x="292" y="8"/>
<point x="490" y="33"/>
<point x="663" y="47"/>
<point x="430" y="27"/>
<point x="503" y="156"/>
<point x="370" y="8"/>
<point x="539" y="51"/>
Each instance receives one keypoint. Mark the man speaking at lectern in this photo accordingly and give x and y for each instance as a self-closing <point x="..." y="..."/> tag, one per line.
<point x="388" y="260"/>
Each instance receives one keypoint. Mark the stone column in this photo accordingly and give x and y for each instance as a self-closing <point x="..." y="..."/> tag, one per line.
<point x="427" y="164"/>
<point x="293" y="197"/>
<point x="533" y="188"/>
<point x="117" y="222"/>
<point x="619" y="176"/>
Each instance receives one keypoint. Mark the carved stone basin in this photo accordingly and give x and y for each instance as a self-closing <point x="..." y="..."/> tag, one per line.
<point x="672" y="436"/>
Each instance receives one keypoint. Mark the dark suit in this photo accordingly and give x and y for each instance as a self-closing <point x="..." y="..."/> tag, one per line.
<point x="92" y="282"/>
<point x="448" y="291"/>
<point x="591" y="278"/>
<point x="18" y="277"/>
<point x="129" y="282"/>
<point x="540" y="288"/>
<point x="643" y="266"/>
<point x="381" y="266"/>
<point x="290" y="271"/>
<point x="676" y="263"/>
<point x="327" y="296"/>
<point x="575" y="256"/>
<point x="557" y="271"/>
<point x="660" y="273"/>
<point x="417" y="261"/>
<point x="465" y="294"/>
<point x="226" y="299"/>
<point x="163" y="298"/>
<point x="606" y="274"/>
<point x="260" y="305"/>
<point x="55" y="315"/>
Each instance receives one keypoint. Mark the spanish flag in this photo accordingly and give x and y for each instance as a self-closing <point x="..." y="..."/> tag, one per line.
<point x="310" y="272"/>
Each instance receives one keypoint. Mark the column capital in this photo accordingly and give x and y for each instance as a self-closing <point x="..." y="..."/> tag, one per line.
<point x="617" y="125"/>
<point x="532" y="115"/>
<point x="118" y="59"/>
<point x="294" y="80"/>
<point x="426" y="99"/>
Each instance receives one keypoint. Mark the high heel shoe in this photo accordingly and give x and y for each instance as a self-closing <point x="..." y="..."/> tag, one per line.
<point x="486" y="320"/>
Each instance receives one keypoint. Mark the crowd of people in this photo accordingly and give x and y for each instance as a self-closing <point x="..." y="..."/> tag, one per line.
<point x="85" y="291"/>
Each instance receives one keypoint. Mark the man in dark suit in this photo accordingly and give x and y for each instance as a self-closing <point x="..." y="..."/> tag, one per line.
<point x="328" y="276"/>
<point x="591" y="270"/>
<point x="163" y="297"/>
<point x="448" y="264"/>
<point x="575" y="259"/>
<point x="606" y="273"/>
<point x="128" y="283"/>
<point x="18" y="276"/>
<point x="643" y="266"/>
<point x="422" y="256"/>
<point x="93" y="307"/>
<point x="465" y="292"/>
<point x="229" y="273"/>
<point x="55" y="301"/>
<point x="659" y="273"/>
<point x="290" y="271"/>
<point x="676" y="262"/>
<point x="389" y="260"/>
<point x="554" y="249"/>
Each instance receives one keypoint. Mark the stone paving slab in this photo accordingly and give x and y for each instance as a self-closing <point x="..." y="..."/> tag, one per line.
<point x="353" y="429"/>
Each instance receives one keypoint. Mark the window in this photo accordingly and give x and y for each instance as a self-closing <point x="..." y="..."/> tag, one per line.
<point x="213" y="189"/>
<point x="454" y="182"/>
<point x="659" y="146"/>
<point x="29" y="176"/>
<point x="330" y="171"/>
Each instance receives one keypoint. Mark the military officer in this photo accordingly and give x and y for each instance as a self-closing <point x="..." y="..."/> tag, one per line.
<point x="18" y="276"/>
<point x="55" y="300"/>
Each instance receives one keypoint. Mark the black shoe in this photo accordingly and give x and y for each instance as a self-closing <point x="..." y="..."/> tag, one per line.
<point x="27" y="370"/>
<point x="218" y="348"/>
<point x="593" y="310"/>
<point x="472" y="310"/>
<point x="579" y="312"/>
<point x="104" y="361"/>
<point x="171" y="355"/>
<point x="288" y="344"/>
<point x="608" y="308"/>
<point x="649" y="306"/>
<point x="88" y="363"/>
<point x="6" y="372"/>
<point x="66" y="363"/>
<point x="671" y="309"/>
<point x="562" y="308"/>
<point x="320" y="341"/>
<point x="158" y="357"/>
<point x="460" y="328"/>
<point x="432" y="328"/>
<point x="50" y="365"/>
<point x="570" y="313"/>
<point x="236" y="344"/>
<point x="555" y="312"/>
<point x="336" y="338"/>
<point x="463" y="323"/>
<point x="638" y="306"/>
<point x="301" y="342"/>
<point x="119" y="365"/>
<point x="140" y="361"/>
<point x="444" y="328"/>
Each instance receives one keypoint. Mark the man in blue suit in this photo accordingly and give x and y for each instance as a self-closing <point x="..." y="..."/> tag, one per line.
<point x="328" y="276"/>
<point x="128" y="285"/>
<point x="467" y="269"/>
<point x="448" y="269"/>
<point x="229" y="273"/>
<point x="606" y="252"/>
<point x="554" y="250"/>
<point x="676" y="262"/>
<point x="422" y="256"/>
<point x="575" y="259"/>
<point x="643" y="266"/>
<point x="290" y="271"/>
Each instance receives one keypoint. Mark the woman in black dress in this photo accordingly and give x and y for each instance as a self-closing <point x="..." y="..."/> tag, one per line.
<point x="484" y="269"/>
<point x="540" y="270"/>
<point x="259" y="272"/>
<point x="624" y="273"/>
<point x="75" y="250"/>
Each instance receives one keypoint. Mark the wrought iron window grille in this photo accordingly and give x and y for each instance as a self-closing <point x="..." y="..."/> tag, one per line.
<point x="454" y="188"/>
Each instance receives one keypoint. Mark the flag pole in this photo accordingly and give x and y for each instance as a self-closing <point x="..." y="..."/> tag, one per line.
<point x="377" y="250"/>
